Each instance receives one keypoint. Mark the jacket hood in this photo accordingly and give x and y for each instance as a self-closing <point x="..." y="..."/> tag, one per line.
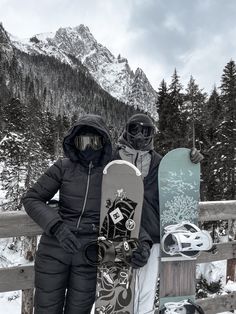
<point x="89" y="120"/>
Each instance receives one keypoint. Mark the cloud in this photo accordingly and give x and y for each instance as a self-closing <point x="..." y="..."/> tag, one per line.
<point x="196" y="37"/>
<point x="169" y="30"/>
<point x="208" y="61"/>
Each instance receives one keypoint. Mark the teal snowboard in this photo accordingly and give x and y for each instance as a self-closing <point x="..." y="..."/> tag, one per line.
<point x="179" y="186"/>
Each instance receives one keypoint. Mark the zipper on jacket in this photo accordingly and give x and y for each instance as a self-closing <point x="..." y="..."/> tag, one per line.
<point x="135" y="161"/>
<point x="86" y="194"/>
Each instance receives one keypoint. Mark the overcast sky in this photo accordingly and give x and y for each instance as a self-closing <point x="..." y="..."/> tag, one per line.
<point x="197" y="37"/>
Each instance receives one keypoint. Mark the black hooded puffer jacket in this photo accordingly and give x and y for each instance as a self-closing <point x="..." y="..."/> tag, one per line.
<point x="79" y="185"/>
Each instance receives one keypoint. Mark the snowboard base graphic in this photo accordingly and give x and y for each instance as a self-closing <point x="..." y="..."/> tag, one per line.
<point x="121" y="206"/>
<point x="179" y="183"/>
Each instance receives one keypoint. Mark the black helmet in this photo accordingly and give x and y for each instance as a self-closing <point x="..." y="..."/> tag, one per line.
<point x="139" y="131"/>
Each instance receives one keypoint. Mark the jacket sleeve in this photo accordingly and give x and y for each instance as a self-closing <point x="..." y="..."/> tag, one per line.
<point x="144" y="236"/>
<point x="43" y="190"/>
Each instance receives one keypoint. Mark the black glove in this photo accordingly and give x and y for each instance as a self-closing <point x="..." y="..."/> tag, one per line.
<point x="141" y="255"/>
<point x="195" y="156"/>
<point x="66" y="238"/>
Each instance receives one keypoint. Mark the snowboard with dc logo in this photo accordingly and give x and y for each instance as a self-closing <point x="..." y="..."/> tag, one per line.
<point x="179" y="186"/>
<point x="121" y="207"/>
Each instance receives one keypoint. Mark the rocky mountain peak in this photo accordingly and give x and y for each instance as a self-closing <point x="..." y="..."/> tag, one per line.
<point x="112" y="73"/>
<point x="4" y="38"/>
<point x="84" y="32"/>
<point x="140" y="74"/>
<point x="5" y="46"/>
<point x="142" y="94"/>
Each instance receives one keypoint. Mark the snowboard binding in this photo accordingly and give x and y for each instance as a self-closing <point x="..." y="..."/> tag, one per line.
<point x="184" y="307"/>
<point x="185" y="239"/>
<point x="110" y="252"/>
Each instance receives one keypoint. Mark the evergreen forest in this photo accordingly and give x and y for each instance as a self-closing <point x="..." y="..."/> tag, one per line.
<point x="40" y="98"/>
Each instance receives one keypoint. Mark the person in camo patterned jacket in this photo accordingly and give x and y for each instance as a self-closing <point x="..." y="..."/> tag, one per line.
<point x="136" y="146"/>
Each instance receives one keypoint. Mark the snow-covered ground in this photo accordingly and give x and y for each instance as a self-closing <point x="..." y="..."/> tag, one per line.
<point x="10" y="302"/>
<point x="10" y="255"/>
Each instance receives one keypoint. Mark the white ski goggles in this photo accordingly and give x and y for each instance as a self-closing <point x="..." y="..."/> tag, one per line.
<point x="84" y="141"/>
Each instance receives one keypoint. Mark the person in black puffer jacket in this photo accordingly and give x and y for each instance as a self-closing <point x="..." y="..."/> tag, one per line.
<point x="64" y="281"/>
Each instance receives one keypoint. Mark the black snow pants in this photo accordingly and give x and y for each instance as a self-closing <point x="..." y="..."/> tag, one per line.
<point x="64" y="283"/>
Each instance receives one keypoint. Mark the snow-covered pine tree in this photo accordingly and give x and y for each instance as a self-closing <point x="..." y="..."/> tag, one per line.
<point x="170" y="127"/>
<point x="213" y="116"/>
<point x="54" y="131"/>
<point x="162" y="110"/>
<point x="37" y="159"/>
<point x="13" y="153"/>
<point x="193" y="113"/>
<point x="226" y="133"/>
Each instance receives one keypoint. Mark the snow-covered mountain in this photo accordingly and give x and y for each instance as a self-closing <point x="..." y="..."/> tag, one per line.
<point x="7" y="52"/>
<point x="113" y="74"/>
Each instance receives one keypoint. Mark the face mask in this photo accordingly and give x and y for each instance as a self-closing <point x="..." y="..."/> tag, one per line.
<point x="139" y="141"/>
<point x="139" y="135"/>
<point x="90" y="154"/>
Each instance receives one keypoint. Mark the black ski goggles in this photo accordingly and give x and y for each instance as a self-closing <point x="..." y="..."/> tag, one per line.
<point x="135" y="129"/>
<point x="84" y="141"/>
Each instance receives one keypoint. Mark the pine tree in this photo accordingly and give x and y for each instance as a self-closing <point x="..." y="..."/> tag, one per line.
<point x="213" y="117"/>
<point x="36" y="159"/>
<point x="12" y="175"/>
<point x="12" y="154"/>
<point x="14" y="115"/>
<point x="162" y="110"/>
<point x="193" y="112"/>
<point x="226" y="133"/>
<point x="171" y="132"/>
<point x="161" y="100"/>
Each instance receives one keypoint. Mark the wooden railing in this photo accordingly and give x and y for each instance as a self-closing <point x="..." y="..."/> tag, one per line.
<point x="15" y="224"/>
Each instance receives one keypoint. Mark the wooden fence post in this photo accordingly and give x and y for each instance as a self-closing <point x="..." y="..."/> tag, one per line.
<point x="231" y="269"/>
<point x="29" y="247"/>
<point x="231" y="263"/>
<point x="27" y="301"/>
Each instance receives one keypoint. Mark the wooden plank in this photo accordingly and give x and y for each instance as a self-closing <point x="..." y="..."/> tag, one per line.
<point x="223" y="251"/>
<point x="17" y="223"/>
<point x="218" y="210"/>
<point x="218" y="304"/>
<point x="16" y="278"/>
<point x="177" y="272"/>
